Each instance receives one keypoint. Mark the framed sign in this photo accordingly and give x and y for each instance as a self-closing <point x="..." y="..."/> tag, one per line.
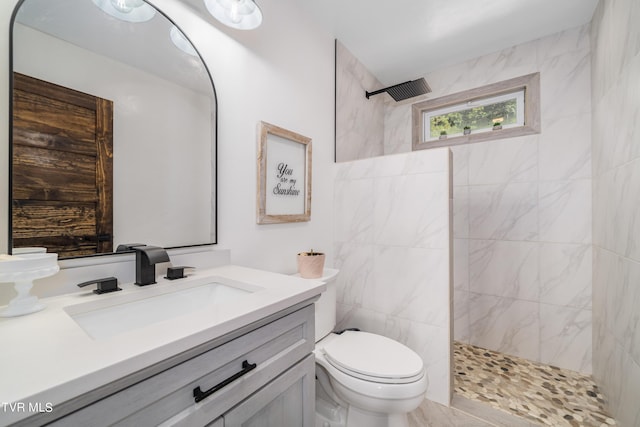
<point x="284" y="175"/>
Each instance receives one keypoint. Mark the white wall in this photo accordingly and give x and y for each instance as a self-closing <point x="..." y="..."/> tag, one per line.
<point x="267" y="74"/>
<point x="263" y="74"/>
<point x="615" y="41"/>
<point x="392" y="243"/>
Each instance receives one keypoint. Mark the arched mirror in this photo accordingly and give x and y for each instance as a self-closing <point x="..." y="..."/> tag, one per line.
<point x="113" y="136"/>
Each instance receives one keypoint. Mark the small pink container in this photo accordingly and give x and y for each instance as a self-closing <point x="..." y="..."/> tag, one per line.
<point x="310" y="266"/>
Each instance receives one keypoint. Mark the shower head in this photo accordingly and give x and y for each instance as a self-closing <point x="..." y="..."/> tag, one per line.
<point x="404" y="90"/>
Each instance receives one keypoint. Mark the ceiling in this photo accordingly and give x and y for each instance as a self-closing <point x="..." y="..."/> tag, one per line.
<point x="400" y="40"/>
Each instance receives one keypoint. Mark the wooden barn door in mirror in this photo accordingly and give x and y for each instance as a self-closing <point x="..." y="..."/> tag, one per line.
<point x="62" y="169"/>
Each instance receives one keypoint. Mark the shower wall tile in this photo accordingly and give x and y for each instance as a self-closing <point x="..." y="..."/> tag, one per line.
<point x="565" y="84"/>
<point x="629" y="412"/>
<point x="521" y="210"/>
<point x="461" y="212"/>
<point x="461" y="264"/>
<point x="359" y="121"/>
<point x="614" y="121"/>
<point x="348" y="316"/>
<point x="630" y="104"/>
<point x="420" y="162"/>
<point x="501" y="65"/>
<point x="508" y="325"/>
<point x="615" y="43"/>
<point x="565" y="211"/>
<point x="565" y="274"/>
<point x="506" y="211"/>
<point x="565" y="150"/>
<point x="397" y="128"/>
<point x="622" y="305"/>
<point x="565" y="337"/>
<point x="572" y="40"/>
<point x="605" y="210"/>
<point x="355" y="262"/>
<point x="504" y="269"/>
<point x="433" y="345"/>
<point x="419" y="273"/>
<point x="460" y="154"/>
<point x="510" y="160"/>
<point x="633" y="303"/>
<point x="354" y="200"/>
<point x="505" y="64"/>
<point x="350" y="171"/>
<point x="391" y="244"/>
<point x="627" y="235"/>
<point x="430" y="342"/>
<point x="407" y="211"/>
<point x="461" y="325"/>
<point x="522" y="206"/>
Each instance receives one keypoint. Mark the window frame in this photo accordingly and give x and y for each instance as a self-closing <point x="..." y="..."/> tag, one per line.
<point x="530" y="83"/>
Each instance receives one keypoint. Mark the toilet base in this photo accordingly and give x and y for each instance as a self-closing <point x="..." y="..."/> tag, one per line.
<point x="328" y="412"/>
<point x="332" y="414"/>
<point x="359" y="418"/>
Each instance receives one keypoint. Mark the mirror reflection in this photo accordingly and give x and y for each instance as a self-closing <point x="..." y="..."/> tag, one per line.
<point x="113" y="130"/>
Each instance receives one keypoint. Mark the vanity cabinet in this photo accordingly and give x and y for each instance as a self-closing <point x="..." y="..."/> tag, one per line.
<point x="287" y="401"/>
<point x="264" y="377"/>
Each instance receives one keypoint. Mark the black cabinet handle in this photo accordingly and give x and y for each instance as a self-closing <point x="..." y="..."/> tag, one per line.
<point x="199" y="395"/>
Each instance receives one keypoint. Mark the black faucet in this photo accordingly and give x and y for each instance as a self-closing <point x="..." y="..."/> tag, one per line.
<point x="146" y="259"/>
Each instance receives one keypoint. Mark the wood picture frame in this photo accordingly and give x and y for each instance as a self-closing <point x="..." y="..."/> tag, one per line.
<point x="284" y="175"/>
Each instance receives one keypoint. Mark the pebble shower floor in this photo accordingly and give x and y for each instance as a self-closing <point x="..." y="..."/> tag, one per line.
<point x="536" y="392"/>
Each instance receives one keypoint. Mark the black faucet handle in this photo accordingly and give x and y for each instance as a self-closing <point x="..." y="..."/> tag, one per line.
<point x="105" y="285"/>
<point x="176" y="272"/>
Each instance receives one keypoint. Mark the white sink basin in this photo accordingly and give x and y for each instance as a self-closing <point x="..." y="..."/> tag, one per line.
<point x="127" y="312"/>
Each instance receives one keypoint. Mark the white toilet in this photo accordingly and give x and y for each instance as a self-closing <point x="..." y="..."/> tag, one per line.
<point x="362" y="379"/>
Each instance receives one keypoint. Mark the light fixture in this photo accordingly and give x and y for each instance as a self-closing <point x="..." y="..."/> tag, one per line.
<point x="240" y="14"/>
<point x="181" y="41"/>
<point x="127" y="10"/>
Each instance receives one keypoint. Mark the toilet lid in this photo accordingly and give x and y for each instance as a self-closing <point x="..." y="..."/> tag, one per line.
<point x="374" y="358"/>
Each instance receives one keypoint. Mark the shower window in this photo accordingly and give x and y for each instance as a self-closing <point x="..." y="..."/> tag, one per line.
<point x="497" y="111"/>
<point x="480" y="115"/>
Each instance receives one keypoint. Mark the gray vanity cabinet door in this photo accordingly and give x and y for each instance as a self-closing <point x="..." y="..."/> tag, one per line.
<point x="167" y="399"/>
<point x="217" y="423"/>
<point x="289" y="400"/>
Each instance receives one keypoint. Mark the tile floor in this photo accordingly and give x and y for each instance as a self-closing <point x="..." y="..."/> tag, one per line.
<point x="538" y="393"/>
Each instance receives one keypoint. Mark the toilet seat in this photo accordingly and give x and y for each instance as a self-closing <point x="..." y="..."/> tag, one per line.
<point x="374" y="358"/>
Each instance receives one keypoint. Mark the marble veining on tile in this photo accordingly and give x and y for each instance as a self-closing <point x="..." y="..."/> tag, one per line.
<point x="536" y="392"/>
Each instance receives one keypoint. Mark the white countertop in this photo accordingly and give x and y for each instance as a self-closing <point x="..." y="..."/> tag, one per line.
<point x="46" y="358"/>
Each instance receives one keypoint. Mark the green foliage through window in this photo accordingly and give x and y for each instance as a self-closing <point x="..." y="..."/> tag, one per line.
<point x="476" y="118"/>
<point x="478" y="115"/>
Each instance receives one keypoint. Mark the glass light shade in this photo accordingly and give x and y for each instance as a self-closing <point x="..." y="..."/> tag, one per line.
<point x="126" y="10"/>
<point x="239" y="14"/>
<point x="181" y="41"/>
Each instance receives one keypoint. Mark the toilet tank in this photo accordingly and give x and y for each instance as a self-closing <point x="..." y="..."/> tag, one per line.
<point x="326" y="306"/>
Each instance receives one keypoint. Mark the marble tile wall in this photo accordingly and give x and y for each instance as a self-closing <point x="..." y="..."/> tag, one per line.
<point x="392" y="240"/>
<point x="359" y="121"/>
<point x="615" y="67"/>
<point x="522" y="208"/>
